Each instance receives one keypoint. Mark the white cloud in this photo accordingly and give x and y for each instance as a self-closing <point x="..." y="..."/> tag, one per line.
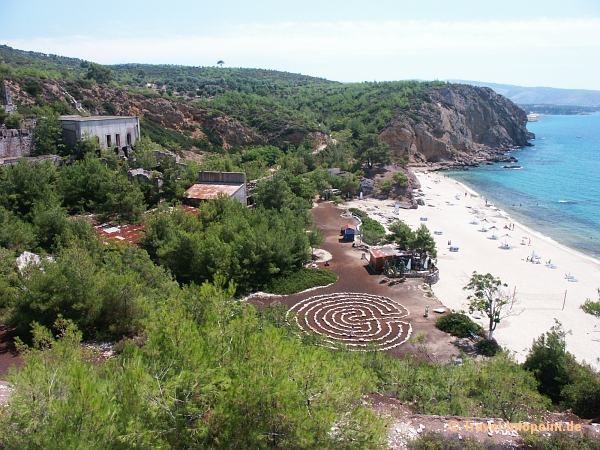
<point x="534" y="52"/>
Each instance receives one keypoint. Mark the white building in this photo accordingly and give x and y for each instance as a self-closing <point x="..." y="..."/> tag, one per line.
<point x="110" y="131"/>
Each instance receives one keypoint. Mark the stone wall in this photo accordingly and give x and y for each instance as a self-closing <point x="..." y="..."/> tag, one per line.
<point x="14" y="143"/>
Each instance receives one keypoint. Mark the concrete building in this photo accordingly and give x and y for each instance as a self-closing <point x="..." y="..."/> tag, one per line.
<point x="214" y="184"/>
<point x="110" y="131"/>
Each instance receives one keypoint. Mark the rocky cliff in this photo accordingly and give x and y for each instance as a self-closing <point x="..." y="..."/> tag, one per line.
<point x="457" y="125"/>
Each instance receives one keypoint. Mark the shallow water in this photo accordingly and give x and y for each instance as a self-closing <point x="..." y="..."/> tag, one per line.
<point x="557" y="190"/>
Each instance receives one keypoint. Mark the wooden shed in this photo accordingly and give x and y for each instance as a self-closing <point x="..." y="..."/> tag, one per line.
<point x="348" y="232"/>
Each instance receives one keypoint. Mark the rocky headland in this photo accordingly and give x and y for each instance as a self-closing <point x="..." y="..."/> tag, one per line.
<point x="458" y="126"/>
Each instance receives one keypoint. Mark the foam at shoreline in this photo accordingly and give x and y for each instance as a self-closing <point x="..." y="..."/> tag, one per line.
<point x="530" y="230"/>
<point x="541" y="289"/>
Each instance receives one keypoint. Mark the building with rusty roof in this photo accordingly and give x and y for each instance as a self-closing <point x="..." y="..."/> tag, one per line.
<point x="212" y="185"/>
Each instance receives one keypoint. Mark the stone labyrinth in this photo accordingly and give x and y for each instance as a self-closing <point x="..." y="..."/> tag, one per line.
<point x="362" y="322"/>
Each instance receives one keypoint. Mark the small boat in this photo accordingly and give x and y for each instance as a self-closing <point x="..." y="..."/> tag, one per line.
<point x="512" y="166"/>
<point x="532" y="117"/>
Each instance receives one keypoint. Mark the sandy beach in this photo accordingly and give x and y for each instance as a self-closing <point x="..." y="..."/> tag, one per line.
<point x="550" y="281"/>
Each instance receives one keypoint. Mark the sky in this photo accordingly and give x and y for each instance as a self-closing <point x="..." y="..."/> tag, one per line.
<point x="552" y="43"/>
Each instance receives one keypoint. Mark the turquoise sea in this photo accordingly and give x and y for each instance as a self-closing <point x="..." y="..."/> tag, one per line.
<point x="557" y="191"/>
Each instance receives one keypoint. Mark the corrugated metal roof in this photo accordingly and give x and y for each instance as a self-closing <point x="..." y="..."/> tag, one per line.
<point x="129" y="233"/>
<point x="211" y="191"/>
<point x="383" y="252"/>
<point x="121" y="233"/>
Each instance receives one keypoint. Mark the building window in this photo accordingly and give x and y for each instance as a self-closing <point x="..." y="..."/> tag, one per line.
<point x="108" y="140"/>
<point x="129" y="139"/>
<point x="118" y="140"/>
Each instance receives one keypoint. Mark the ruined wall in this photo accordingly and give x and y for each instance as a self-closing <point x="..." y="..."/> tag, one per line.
<point x="222" y="177"/>
<point x="14" y="143"/>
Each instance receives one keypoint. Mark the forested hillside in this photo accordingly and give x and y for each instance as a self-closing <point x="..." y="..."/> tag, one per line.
<point x="276" y="107"/>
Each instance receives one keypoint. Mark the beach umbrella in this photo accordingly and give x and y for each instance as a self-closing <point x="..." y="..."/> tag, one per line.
<point x="505" y="242"/>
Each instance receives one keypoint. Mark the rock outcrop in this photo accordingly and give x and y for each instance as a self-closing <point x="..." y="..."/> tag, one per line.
<point x="459" y="125"/>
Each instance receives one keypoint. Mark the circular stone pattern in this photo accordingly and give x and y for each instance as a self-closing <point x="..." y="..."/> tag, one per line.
<point x="361" y="322"/>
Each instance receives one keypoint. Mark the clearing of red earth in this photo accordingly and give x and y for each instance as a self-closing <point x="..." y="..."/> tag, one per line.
<point x="359" y="321"/>
<point x="364" y="310"/>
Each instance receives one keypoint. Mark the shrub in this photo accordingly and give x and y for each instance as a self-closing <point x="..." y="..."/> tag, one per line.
<point x="359" y="213"/>
<point x="300" y="281"/>
<point x="582" y="394"/>
<point x="32" y="87"/>
<point x="560" y="441"/>
<point x="487" y="347"/>
<point x="591" y="307"/>
<point x="372" y="232"/>
<point x="433" y="441"/>
<point x="459" y="325"/>
<point x="13" y="121"/>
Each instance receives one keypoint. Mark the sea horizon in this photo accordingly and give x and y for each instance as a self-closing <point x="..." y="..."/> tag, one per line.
<point x="555" y="190"/>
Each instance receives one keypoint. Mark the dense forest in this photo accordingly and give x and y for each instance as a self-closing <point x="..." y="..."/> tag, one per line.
<point x="194" y="366"/>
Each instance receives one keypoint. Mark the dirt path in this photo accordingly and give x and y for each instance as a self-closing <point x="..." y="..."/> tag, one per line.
<point x="8" y="356"/>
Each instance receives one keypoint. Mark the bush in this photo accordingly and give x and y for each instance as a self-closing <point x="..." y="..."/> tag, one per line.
<point x="435" y="441"/>
<point x="582" y="394"/>
<point x="560" y="441"/>
<point x="359" y="213"/>
<point x="301" y="280"/>
<point x="487" y="347"/>
<point x="459" y="325"/>
<point x="591" y="307"/>
<point x="13" y="121"/>
<point x="372" y="232"/>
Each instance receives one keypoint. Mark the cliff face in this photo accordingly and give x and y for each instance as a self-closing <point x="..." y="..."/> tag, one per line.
<point x="459" y="125"/>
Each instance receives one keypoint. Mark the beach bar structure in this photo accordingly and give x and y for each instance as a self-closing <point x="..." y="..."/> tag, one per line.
<point x="347" y="232"/>
<point x="378" y="256"/>
<point x="413" y="264"/>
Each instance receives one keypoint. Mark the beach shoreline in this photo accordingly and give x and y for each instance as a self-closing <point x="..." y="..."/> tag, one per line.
<point x="535" y="266"/>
